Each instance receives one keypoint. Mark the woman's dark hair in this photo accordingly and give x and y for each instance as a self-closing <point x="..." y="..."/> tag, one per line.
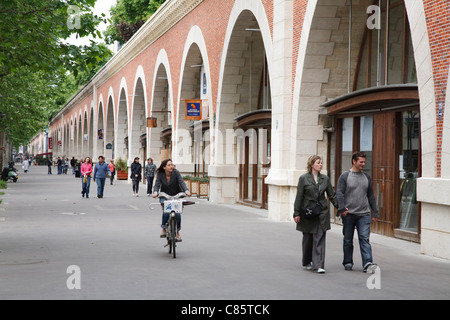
<point x="163" y="164"/>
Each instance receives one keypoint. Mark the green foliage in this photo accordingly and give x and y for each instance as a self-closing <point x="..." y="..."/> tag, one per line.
<point x="32" y="34"/>
<point x="127" y="17"/>
<point x="121" y="165"/>
<point x="39" y="72"/>
<point x="3" y="184"/>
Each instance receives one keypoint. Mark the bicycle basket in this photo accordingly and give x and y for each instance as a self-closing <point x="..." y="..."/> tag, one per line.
<point x="173" y="205"/>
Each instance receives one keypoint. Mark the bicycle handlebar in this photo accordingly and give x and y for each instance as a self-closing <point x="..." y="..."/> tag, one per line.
<point x="164" y="195"/>
<point x="169" y="197"/>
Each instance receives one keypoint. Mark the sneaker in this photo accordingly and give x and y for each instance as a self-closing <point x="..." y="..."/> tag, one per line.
<point x="307" y="267"/>
<point x="370" y="267"/>
<point x="320" y="270"/>
<point x="348" y="267"/>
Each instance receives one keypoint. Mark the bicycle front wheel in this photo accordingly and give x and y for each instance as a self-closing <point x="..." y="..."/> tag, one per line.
<point x="173" y="234"/>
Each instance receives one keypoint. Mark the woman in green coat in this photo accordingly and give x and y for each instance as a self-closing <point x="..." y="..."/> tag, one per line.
<point x="314" y="229"/>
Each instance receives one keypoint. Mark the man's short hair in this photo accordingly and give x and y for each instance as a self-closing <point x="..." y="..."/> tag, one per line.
<point x="358" y="154"/>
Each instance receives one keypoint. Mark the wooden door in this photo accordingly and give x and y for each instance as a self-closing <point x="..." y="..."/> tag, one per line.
<point x="384" y="171"/>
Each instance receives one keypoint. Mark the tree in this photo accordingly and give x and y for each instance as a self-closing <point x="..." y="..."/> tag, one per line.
<point x="32" y="33"/>
<point x="38" y="70"/>
<point x="127" y="17"/>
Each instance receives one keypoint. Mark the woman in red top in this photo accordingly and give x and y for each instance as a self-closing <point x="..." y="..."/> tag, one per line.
<point x="112" y="168"/>
<point x="86" y="171"/>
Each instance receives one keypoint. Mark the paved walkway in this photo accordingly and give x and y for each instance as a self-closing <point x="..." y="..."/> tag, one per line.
<point x="51" y="239"/>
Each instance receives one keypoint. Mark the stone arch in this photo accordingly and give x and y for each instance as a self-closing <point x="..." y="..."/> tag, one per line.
<point x="73" y="138"/>
<point x="109" y="134"/>
<point x="121" y="142"/>
<point x="92" y="133"/>
<point x="311" y="85"/>
<point x="422" y="55"/>
<point x="195" y="62"/>
<point x="245" y="15"/>
<point x="80" y="135"/>
<point x="445" y="159"/>
<point x="160" y="138"/>
<point x="137" y="130"/>
<point x="248" y="42"/>
<point x="99" y="136"/>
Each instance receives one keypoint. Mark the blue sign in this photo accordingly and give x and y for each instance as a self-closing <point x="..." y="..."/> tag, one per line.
<point x="204" y="83"/>
<point x="193" y="109"/>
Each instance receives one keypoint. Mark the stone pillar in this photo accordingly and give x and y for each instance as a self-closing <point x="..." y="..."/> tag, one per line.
<point x="281" y="81"/>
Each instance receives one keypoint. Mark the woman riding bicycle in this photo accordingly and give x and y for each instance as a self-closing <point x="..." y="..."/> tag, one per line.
<point x="169" y="180"/>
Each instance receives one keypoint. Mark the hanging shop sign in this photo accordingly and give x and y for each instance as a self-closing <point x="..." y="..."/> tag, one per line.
<point x="193" y="109"/>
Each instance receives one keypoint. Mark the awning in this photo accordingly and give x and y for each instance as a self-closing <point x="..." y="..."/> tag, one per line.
<point x="375" y="99"/>
<point x="44" y="154"/>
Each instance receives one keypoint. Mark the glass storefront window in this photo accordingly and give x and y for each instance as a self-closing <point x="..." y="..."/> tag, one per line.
<point x="408" y="169"/>
<point x="386" y="55"/>
<point x="366" y="139"/>
<point x="347" y="144"/>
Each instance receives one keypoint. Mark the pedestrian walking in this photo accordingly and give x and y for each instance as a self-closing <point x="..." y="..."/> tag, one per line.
<point x="59" y="163"/>
<point x="311" y="189"/>
<point x="356" y="199"/>
<point x="86" y="172"/>
<point x="49" y="165"/>
<point x="66" y="165"/>
<point x="73" y="162"/>
<point x="149" y="174"/>
<point x="100" y="172"/>
<point x="136" y="176"/>
<point x="112" y="169"/>
<point x="25" y="165"/>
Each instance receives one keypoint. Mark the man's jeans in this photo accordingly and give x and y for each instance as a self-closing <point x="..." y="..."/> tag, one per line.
<point x="362" y="225"/>
<point x="100" y="186"/>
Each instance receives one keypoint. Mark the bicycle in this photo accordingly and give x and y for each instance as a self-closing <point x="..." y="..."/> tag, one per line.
<point x="172" y="205"/>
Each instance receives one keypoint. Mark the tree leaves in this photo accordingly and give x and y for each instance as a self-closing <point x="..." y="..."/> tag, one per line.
<point x="38" y="71"/>
<point x="127" y="17"/>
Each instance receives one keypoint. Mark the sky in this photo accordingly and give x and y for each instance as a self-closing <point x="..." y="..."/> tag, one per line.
<point x="101" y="6"/>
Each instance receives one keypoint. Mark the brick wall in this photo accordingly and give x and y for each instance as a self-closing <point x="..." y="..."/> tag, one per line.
<point x="437" y="14"/>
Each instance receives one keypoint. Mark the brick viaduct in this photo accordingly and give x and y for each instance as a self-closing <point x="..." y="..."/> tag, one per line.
<point x="243" y="56"/>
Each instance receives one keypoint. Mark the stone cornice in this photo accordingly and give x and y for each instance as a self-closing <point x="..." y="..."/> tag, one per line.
<point x="169" y="14"/>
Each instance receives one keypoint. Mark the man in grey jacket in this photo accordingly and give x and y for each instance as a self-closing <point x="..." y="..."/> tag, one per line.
<point x="355" y="194"/>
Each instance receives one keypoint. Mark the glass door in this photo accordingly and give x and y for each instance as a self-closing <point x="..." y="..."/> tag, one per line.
<point x="255" y="166"/>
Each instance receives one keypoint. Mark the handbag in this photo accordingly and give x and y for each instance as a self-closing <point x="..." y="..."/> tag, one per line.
<point x="314" y="210"/>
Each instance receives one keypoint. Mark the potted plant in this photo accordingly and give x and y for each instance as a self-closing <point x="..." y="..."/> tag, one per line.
<point x="194" y="185"/>
<point x="187" y="181"/>
<point x="121" y="168"/>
